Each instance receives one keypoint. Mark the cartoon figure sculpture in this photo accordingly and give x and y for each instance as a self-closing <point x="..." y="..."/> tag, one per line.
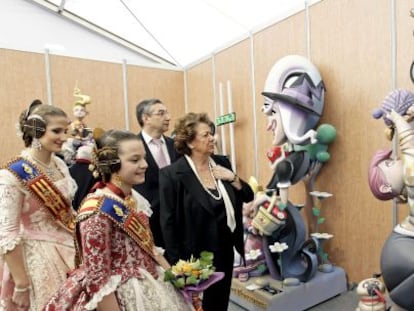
<point x="294" y="99"/>
<point x="394" y="178"/>
<point x="371" y="295"/>
<point x="78" y="127"/>
<point x="79" y="132"/>
<point x="253" y="247"/>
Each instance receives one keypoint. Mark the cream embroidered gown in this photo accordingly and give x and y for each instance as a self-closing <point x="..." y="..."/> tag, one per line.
<point x="48" y="247"/>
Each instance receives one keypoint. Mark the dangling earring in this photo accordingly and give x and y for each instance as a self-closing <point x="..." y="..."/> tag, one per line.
<point x="36" y="144"/>
<point x="116" y="180"/>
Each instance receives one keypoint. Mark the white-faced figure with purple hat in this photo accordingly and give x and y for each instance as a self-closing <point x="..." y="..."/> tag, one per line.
<point x="294" y="96"/>
<point x="294" y="99"/>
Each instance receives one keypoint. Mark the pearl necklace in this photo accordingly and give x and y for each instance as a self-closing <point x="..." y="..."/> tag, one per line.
<point x="215" y="197"/>
<point x="191" y="163"/>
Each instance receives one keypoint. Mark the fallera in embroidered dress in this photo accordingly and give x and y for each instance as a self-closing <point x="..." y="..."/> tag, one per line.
<point x="122" y="268"/>
<point x="48" y="248"/>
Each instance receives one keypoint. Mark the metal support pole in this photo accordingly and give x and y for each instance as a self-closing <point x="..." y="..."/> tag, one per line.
<point x="253" y="89"/>
<point x="213" y="63"/>
<point x="231" y="127"/>
<point x="125" y="90"/>
<point x="223" y="132"/>
<point x="307" y="30"/>
<point x="48" y="78"/>
<point x="185" y="92"/>
<point x="395" y="207"/>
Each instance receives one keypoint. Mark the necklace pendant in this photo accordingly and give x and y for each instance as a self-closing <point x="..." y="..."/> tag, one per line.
<point x="49" y="169"/>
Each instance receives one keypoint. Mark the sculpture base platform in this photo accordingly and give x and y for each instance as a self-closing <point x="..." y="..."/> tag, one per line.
<point x="321" y="287"/>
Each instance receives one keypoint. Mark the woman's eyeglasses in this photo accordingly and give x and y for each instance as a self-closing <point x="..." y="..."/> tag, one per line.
<point x="205" y="134"/>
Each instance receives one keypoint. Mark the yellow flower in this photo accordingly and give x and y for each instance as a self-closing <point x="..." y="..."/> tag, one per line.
<point x="190" y="272"/>
<point x="196" y="273"/>
<point x="178" y="268"/>
<point x="187" y="267"/>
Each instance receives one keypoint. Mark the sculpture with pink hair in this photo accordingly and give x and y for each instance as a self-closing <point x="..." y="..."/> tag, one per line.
<point x="394" y="178"/>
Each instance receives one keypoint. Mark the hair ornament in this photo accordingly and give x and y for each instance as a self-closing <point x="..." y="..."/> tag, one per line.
<point x="91" y="167"/>
<point x="35" y="116"/>
<point x="106" y="157"/>
<point x="94" y="159"/>
<point x="94" y="165"/>
<point x="102" y="159"/>
<point x="109" y="162"/>
<point x="19" y="132"/>
<point x="34" y="126"/>
<point x="95" y="174"/>
<point x="104" y="167"/>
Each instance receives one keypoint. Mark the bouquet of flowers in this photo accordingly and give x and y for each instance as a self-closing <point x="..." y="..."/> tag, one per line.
<point x="193" y="276"/>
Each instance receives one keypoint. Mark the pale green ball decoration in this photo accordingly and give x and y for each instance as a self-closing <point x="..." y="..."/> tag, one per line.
<point x="326" y="133"/>
<point x="323" y="156"/>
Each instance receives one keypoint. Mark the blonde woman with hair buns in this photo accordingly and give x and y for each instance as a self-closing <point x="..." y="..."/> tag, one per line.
<point x="36" y="217"/>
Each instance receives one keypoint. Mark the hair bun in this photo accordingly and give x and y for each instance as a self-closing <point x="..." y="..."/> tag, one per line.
<point x="32" y="106"/>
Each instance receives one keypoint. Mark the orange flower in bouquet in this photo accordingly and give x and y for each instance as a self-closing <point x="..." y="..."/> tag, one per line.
<point x="193" y="276"/>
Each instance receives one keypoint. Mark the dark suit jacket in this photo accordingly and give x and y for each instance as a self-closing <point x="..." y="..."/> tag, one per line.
<point x="188" y="223"/>
<point x="84" y="179"/>
<point x="149" y="189"/>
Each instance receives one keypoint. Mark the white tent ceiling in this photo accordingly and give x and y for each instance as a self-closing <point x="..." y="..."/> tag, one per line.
<point x="180" y="31"/>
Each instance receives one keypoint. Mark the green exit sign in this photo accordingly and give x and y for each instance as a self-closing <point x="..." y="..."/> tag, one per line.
<point x="226" y="118"/>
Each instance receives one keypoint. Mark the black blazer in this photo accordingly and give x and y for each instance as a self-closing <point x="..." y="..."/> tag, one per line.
<point x="188" y="223"/>
<point x="149" y="189"/>
<point x="84" y="179"/>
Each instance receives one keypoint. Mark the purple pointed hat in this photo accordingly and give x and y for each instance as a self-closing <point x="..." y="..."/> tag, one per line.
<point x="399" y="100"/>
<point x="300" y="94"/>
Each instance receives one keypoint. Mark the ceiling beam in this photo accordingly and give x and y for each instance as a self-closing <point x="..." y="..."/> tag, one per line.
<point x="60" y="10"/>
<point x="150" y="33"/>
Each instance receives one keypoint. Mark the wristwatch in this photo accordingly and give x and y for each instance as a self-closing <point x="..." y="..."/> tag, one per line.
<point x="235" y="178"/>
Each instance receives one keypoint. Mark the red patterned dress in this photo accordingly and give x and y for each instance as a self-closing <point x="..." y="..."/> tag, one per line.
<point x="112" y="262"/>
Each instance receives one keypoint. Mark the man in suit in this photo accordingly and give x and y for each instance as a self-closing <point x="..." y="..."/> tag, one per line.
<point x="154" y="119"/>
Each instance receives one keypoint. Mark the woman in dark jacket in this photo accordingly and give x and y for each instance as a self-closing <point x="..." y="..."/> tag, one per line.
<point x="201" y="205"/>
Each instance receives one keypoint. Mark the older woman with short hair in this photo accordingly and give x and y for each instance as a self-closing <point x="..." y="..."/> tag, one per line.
<point x="201" y="205"/>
